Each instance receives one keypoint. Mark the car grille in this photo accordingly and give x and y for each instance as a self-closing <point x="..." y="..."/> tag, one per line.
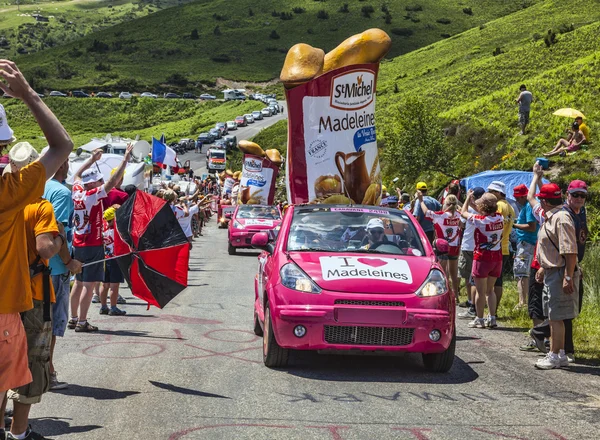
<point x="368" y="335"/>
<point x="352" y="302"/>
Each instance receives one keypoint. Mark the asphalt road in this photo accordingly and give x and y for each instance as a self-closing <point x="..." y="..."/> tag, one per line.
<point x="194" y="371"/>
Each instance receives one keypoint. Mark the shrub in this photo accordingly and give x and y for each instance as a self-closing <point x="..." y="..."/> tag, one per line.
<point x="323" y="15"/>
<point x="344" y="8"/>
<point x="275" y="14"/>
<point x="468" y="11"/>
<point x="444" y="20"/>
<point x="64" y="70"/>
<point x="550" y="38"/>
<point x="98" y="47"/>
<point x="75" y="52"/>
<point x="366" y="11"/>
<point x="384" y="8"/>
<point x="219" y="17"/>
<point x="194" y="34"/>
<point x="250" y="12"/>
<point x="299" y="10"/>
<point x="286" y="16"/>
<point x="221" y="58"/>
<point x="396" y="90"/>
<point x="497" y="51"/>
<point x="217" y="30"/>
<point x="309" y="31"/>
<point x="566" y="28"/>
<point x="414" y="8"/>
<point x="402" y="32"/>
<point x="274" y="35"/>
<point x="177" y="79"/>
<point x="445" y="35"/>
<point x="102" y="67"/>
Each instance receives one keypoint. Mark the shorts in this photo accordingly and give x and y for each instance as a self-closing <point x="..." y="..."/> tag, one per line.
<point x="524" y="117"/>
<point x="112" y="272"/>
<point x="465" y="264"/>
<point x="87" y="254"/>
<point x="523" y="259"/>
<point x="60" y="309"/>
<point x="535" y="303"/>
<point x="557" y="304"/>
<point x="573" y="147"/>
<point x="13" y="352"/>
<point x="505" y="261"/>
<point x="485" y="269"/>
<point x="39" y="336"/>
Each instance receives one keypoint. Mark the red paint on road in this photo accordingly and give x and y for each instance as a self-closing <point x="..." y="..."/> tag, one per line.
<point x="160" y="348"/>
<point x="224" y="354"/>
<point x="419" y="433"/>
<point x="176" y="319"/>
<point x="210" y="335"/>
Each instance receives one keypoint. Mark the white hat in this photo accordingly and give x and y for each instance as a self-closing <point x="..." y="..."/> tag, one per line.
<point x="6" y="133"/>
<point x="375" y="223"/>
<point x="497" y="186"/>
<point x="22" y="154"/>
<point x="92" y="175"/>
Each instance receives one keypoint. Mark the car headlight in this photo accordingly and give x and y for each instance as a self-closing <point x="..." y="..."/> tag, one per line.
<point x="293" y="277"/>
<point x="238" y="225"/>
<point x="434" y="285"/>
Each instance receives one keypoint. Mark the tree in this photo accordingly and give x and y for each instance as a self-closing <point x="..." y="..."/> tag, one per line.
<point x="415" y="142"/>
<point x="194" y="35"/>
<point x="217" y="30"/>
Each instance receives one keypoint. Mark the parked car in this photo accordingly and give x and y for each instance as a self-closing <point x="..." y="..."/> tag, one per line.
<point x="274" y="109"/>
<point x="221" y="143"/>
<point x="257" y="115"/>
<point x="79" y="94"/>
<point x="385" y="292"/>
<point x="58" y="94"/>
<point x="216" y="133"/>
<point x="206" y="138"/>
<point x="231" y="142"/>
<point x="223" y="127"/>
<point x="207" y="96"/>
<point x="189" y="96"/>
<point x="249" y="118"/>
<point x="248" y="220"/>
<point x="177" y="147"/>
<point x="241" y="121"/>
<point x="148" y="95"/>
<point x="125" y="95"/>
<point x="231" y="125"/>
<point x="171" y="96"/>
<point x="266" y="111"/>
<point x="188" y="144"/>
<point x="103" y="95"/>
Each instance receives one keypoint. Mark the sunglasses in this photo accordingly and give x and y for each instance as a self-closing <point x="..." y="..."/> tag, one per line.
<point x="376" y="231"/>
<point x="579" y="195"/>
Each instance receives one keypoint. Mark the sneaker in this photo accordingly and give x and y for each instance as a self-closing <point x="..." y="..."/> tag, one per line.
<point x="530" y="346"/>
<point x="85" y="327"/>
<point x="121" y="300"/>
<point x="571" y="358"/>
<point x="477" y="323"/>
<point x="491" y="322"/>
<point x="95" y="299"/>
<point x="72" y="323"/>
<point x="563" y="361"/>
<point x="30" y="435"/>
<point x="104" y="310"/>
<point x="539" y="343"/>
<point x="464" y="304"/>
<point x="548" y="362"/>
<point x="467" y="314"/>
<point x="115" y="311"/>
<point x="55" y="384"/>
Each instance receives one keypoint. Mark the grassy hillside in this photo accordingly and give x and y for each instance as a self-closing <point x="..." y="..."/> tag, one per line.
<point x="87" y="118"/>
<point x="244" y="40"/>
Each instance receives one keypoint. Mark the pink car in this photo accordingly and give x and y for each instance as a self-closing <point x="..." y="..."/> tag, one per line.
<point x="247" y="220"/>
<point x="352" y="278"/>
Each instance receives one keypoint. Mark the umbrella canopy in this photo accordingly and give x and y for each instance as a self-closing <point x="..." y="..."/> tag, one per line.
<point x="105" y="165"/>
<point x="153" y="249"/>
<point x="569" y="113"/>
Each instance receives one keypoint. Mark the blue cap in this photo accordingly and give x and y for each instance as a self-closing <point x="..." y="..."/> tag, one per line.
<point x="383" y="202"/>
<point x="392" y="199"/>
<point x="478" y="192"/>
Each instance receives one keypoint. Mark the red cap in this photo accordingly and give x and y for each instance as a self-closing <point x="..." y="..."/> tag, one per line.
<point x="577" y="186"/>
<point x="520" y="191"/>
<point x="549" y="191"/>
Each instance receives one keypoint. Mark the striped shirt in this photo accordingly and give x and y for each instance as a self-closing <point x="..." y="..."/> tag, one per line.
<point x="556" y="238"/>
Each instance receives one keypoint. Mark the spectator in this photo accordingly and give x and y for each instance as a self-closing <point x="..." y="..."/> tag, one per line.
<point x="498" y="189"/>
<point x="43" y="242"/>
<point x="487" y="255"/>
<point x="432" y="204"/>
<point x="404" y="201"/>
<point x="465" y="259"/>
<point x="557" y="253"/>
<point x="573" y="143"/>
<point x="527" y="229"/>
<point x="524" y="100"/>
<point x="61" y="265"/>
<point x="6" y="134"/>
<point x="392" y="202"/>
<point x="584" y="129"/>
<point x="115" y="196"/>
<point x="113" y="276"/>
<point x="17" y="190"/>
<point x="88" y="191"/>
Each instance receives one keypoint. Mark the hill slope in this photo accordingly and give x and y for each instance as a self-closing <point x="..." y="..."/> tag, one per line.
<point x="244" y="40"/>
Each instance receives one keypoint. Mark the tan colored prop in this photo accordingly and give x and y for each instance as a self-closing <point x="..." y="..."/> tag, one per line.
<point x="302" y="63"/>
<point x="248" y="147"/>
<point x="367" y="47"/>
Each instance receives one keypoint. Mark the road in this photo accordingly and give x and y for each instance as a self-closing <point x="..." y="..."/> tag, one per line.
<point x="194" y="371"/>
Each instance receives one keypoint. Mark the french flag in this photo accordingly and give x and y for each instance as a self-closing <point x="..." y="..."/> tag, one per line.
<point x="163" y="154"/>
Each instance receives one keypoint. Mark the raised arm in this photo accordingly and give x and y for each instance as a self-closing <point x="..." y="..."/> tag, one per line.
<point x="424" y="208"/>
<point x="464" y="211"/>
<point x="538" y="172"/>
<point x="60" y="143"/>
<point x="112" y="181"/>
<point x="96" y="155"/>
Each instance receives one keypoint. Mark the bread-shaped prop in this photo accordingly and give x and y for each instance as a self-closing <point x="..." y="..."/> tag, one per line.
<point x="302" y="63"/>
<point x="237" y="175"/>
<point x="248" y="147"/>
<point x="368" y="47"/>
<point x="328" y="185"/>
<point x="274" y="156"/>
<point x="228" y="173"/>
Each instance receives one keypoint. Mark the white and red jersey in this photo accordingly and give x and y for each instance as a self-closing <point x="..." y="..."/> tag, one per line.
<point x="447" y="227"/>
<point x="108" y="234"/>
<point x="87" y="218"/>
<point x="178" y="211"/>
<point x="488" y="236"/>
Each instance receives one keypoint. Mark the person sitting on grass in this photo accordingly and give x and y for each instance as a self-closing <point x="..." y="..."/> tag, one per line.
<point x="572" y="144"/>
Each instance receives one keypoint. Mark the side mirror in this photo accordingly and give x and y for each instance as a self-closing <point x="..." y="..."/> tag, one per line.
<point x="260" y="240"/>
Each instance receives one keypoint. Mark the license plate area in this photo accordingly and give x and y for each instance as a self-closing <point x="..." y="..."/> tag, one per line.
<point x="369" y="316"/>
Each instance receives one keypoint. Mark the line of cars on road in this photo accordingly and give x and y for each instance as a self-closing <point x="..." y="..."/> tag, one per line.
<point x="126" y="95"/>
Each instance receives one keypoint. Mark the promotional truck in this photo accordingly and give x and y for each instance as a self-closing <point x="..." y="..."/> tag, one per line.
<point x="216" y="160"/>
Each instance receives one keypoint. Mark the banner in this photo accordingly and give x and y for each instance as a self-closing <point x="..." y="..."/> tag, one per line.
<point x="332" y="148"/>
<point x="257" y="185"/>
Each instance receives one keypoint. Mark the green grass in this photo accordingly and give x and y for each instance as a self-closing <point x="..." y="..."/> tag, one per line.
<point x="152" y="48"/>
<point x="86" y="118"/>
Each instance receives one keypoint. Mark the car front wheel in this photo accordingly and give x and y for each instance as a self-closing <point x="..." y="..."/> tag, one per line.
<point x="441" y="362"/>
<point x="258" y="331"/>
<point x="274" y="356"/>
<point x="230" y="249"/>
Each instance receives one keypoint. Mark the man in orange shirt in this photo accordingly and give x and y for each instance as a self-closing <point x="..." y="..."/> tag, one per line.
<point x="17" y="190"/>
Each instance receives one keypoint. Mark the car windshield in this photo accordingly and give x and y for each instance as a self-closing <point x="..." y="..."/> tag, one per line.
<point x="344" y="229"/>
<point x="254" y="211"/>
<point x="217" y="154"/>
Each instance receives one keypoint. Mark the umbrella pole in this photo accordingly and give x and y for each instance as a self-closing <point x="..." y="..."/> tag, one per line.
<point x="103" y="260"/>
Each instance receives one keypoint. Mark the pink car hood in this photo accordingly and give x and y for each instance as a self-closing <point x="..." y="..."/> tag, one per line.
<point x="364" y="273"/>
<point x="259" y="223"/>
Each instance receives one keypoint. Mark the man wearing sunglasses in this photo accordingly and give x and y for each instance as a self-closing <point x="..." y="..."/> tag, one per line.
<point x="375" y="232"/>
